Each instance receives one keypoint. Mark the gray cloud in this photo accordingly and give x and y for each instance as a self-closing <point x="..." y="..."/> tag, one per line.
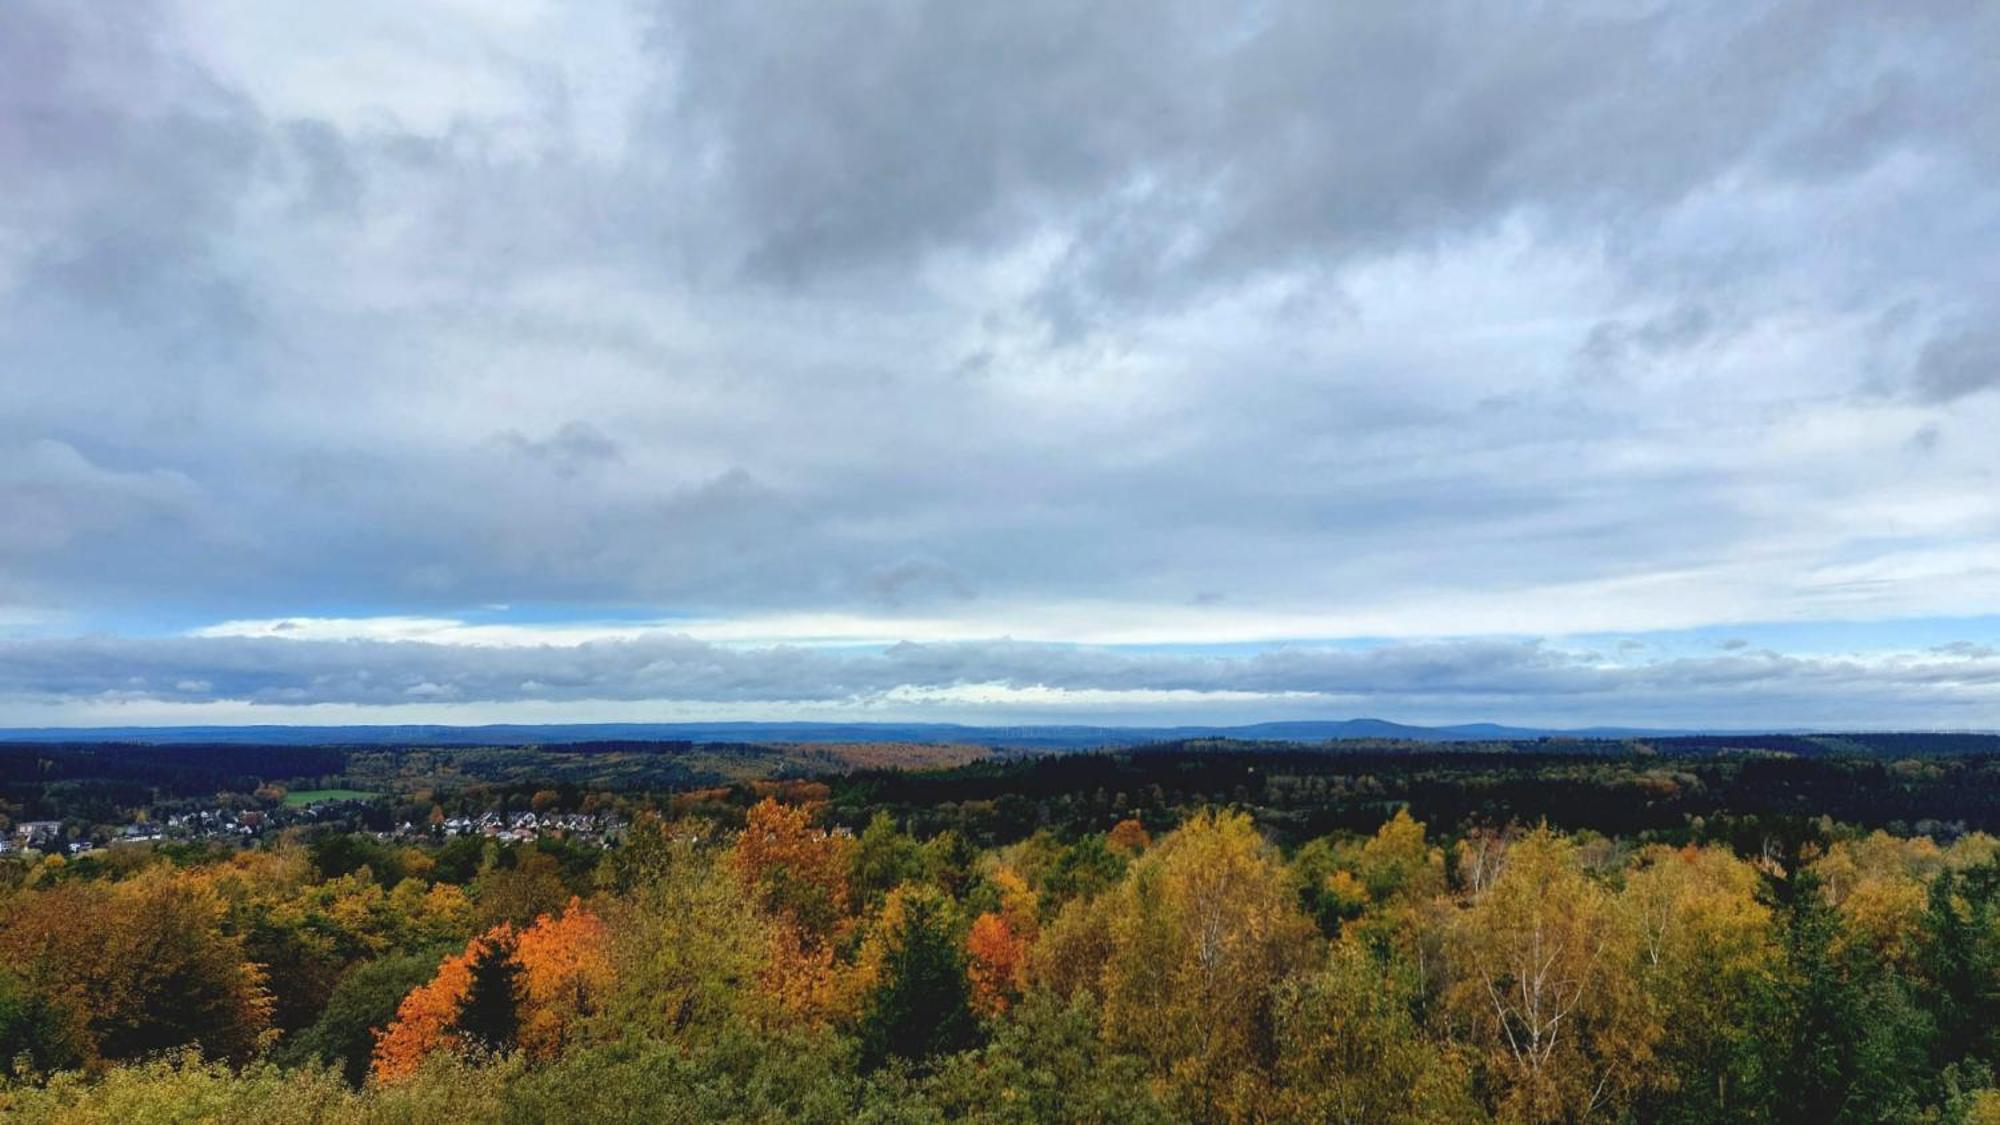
<point x="936" y="309"/>
<point x="1961" y="360"/>
<point x="573" y="448"/>
<point x="1198" y="141"/>
<point x="1955" y="687"/>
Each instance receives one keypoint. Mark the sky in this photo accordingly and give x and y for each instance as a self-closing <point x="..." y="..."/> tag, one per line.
<point x="1565" y="364"/>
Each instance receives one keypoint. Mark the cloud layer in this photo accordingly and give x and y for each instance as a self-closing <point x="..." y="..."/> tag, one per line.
<point x="1953" y="687"/>
<point x="1176" y="323"/>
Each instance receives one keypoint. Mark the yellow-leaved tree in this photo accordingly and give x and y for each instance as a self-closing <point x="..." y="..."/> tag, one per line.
<point x="1709" y="960"/>
<point x="1544" y="987"/>
<point x="1350" y="1051"/>
<point x="1204" y="926"/>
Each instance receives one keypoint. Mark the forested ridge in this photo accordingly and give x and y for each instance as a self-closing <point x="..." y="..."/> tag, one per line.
<point x="1187" y="932"/>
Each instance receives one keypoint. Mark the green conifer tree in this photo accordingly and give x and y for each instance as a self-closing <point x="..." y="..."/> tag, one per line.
<point x="490" y="1017"/>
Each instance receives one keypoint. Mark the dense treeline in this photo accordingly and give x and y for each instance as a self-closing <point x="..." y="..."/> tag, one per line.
<point x="1905" y="782"/>
<point x="769" y="964"/>
<point x="110" y="782"/>
<point x="1299" y="793"/>
<point x="103" y="780"/>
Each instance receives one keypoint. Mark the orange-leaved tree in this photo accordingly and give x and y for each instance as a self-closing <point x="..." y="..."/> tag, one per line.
<point x="796" y="870"/>
<point x="427" y="1018"/>
<point x="797" y="875"/>
<point x="998" y="942"/>
<point x="564" y="966"/>
<point x="1129" y="836"/>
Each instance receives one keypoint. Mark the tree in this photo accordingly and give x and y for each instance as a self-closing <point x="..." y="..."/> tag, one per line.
<point x="533" y="886"/>
<point x="1709" y="960"/>
<point x="366" y="999"/>
<point x="919" y="1006"/>
<point x="1328" y="889"/>
<point x="1045" y="1062"/>
<point x="996" y="963"/>
<point x="884" y="858"/>
<point x="947" y="860"/>
<point x="1959" y="965"/>
<point x="797" y="872"/>
<point x="37" y="1031"/>
<point x="1855" y="1043"/>
<point x="1069" y="958"/>
<point x="1201" y="930"/>
<point x="489" y="1016"/>
<point x="1129" y="836"/>
<point x="529" y="988"/>
<point x="1350" y="1051"/>
<point x="425" y="1020"/>
<point x="1398" y="860"/>
<point x="345" y="853"/>
<point x="687" y="948"/>
<point x="1546" y="988"/>
<point x="145" y="963"/>
<point x="998" y="942"/>
<point x="565" y="964"/>
<point x="797" y="875"/>
<point x="180" y="1086"/>
<point x="1087" y="867"/>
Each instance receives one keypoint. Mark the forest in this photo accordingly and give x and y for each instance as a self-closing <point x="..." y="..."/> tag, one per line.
<point x="1197" y="932"/>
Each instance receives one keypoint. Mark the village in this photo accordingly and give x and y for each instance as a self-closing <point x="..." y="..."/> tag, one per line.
<point x="247" y="826"/>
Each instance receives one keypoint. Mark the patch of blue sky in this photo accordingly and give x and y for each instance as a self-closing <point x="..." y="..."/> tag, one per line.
<point x="1793" y="638"/>
<point x="553" y="613"/>
<point x="1796" y="638"/>
<point x="1248" y="648"/>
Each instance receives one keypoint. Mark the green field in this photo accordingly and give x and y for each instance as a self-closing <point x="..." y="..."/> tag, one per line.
<point x="305" y="797"/>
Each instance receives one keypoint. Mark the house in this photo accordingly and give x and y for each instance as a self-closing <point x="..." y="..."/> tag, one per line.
<point x="35" y="833"/>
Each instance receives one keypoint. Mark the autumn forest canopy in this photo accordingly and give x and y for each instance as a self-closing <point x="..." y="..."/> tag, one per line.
<point x="1676" y="931"/>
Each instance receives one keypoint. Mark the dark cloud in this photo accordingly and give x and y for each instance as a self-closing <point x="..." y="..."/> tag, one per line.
<point x="121" y="166"/>
<point x="1614" y="344"/>
<point x="918" y="579"/>
<point x="573" y="448"/>
<point x="1192" y="142"/>
<point x="1963" y="359"/>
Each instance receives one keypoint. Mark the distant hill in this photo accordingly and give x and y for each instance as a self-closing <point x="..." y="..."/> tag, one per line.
<point x="1052" y="737"/>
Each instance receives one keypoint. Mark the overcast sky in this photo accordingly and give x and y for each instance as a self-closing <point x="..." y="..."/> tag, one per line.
<point x="1627" y="362"/>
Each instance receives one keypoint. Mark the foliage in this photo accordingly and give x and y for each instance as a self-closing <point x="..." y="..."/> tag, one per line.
<point x="426" y="1019"/>
<point x="36" y="1035"/>
<point x="145" y="964"/>
<point x="364" y="1001"/>
<point x="920" y="1003"/>
<point x="1200" y="933"/>
<point x="489" y="1014"/>
<point x="1546" y="993"/>
<point x="1350" y="1050"/>
<point x="1185" y="933"/>
<point x="531" y="988"/>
